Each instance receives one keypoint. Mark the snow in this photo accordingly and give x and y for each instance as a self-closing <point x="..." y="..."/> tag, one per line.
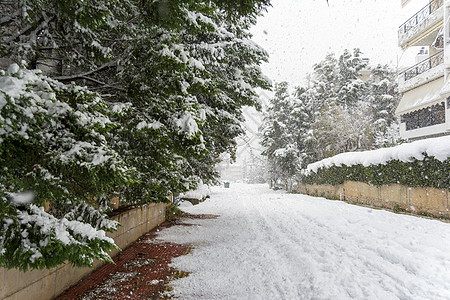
<point x="64" y="230"/>
<point x="202" y="192"/>
<point x="271" y="245"/>
<point x="33" y="96"/>
<point x="155" y="125"/>
<point x="21" y="198"/>
<point x="99" y="156"/>
<point x="196" y="64"/>
<point x="438" y="147"/>
<point x="13" y="69"/>
<point x="104" y="50"/>
<point x="184" y="204"/>
<point x="121" y="107"/>
<point x="187" y="124"/>
<point x="421" y="79"/>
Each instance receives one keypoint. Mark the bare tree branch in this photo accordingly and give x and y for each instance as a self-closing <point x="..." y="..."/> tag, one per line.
<point x="104" y="84"/>
<point x="82" y="75"/>
<point x="29" y="29"/>
<point x="7" y="19"/>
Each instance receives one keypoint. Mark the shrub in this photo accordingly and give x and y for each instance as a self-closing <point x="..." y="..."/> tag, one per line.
<point x="428" y="172"/>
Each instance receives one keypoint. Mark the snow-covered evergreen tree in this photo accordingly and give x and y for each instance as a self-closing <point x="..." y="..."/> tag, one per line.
<point x="353" y="114"/>
<point x="280" y="138"/>
<point x="339" y="111"/>
<point x="166" y="80"/>
<point x="384" y="97"/>
<point x="350" y="88"/>
<point x="54" y="152"/>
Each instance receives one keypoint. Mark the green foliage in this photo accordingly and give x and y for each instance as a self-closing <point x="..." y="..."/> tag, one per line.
<point x="166" y="83"/>
<point x="243" y="7"/>
<point x="340" y="110"/>
<point x="53" y="149"/>
<point x="282" y="136"/>
<point x="397" y="208"/>
<point x="428" y="172"/>
<point x="190" y="76"/>
<point x="173" y="212"/>
<point x="33" y="239"/>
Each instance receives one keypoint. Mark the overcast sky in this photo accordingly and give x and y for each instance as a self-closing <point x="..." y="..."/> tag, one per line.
<point x="299" y="33"/>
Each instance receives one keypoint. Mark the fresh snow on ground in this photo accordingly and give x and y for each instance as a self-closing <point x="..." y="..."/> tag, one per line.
<point x="202" y="192"/>
<point x="273" y="245"/>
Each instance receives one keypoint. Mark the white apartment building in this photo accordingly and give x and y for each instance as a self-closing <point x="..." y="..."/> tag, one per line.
<point x="424" y="109"/>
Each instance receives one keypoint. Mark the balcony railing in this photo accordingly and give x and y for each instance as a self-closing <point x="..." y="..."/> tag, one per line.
<point x="420" y="16"/>
<point x="425" y="65"/>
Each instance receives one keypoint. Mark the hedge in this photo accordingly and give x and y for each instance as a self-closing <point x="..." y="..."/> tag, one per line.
<point x="429" y="172"/>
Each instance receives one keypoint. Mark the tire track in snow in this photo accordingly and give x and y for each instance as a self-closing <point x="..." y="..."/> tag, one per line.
<point x="368" y="257"/>
<point x="306" y="248"/>
<point x="362" y="256"/>
<point x="289" y="279"/>
<point x="270" y="245"/>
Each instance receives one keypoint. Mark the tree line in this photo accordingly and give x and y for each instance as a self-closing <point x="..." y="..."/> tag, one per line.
<point x="346" y="105"/>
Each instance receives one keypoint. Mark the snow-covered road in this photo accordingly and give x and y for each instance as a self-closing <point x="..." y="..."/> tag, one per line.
<point x="272" y="245"/>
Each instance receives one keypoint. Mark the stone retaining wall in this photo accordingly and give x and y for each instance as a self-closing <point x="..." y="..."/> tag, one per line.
<point x="49" y="283"/>
<point x="416" y="200"/>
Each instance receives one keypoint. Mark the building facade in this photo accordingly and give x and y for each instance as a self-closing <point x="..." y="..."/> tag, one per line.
<point x="424" y="109"/>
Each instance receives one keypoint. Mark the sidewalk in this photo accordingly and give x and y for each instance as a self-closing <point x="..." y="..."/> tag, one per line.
<point x="141" y="271"/>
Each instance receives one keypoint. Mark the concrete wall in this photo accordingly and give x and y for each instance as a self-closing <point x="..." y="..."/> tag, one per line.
<point x="394" y="196"/>
<point x="47" y="284"/>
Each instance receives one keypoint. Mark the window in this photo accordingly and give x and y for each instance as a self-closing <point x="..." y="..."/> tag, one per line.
<point x="425" y="117"/>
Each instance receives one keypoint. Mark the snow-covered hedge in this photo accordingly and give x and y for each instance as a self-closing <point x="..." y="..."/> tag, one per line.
<point x="421" y="163"/>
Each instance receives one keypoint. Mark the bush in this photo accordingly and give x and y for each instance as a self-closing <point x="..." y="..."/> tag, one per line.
<point x="428" y="172"/>
<point x="173" y="212"/>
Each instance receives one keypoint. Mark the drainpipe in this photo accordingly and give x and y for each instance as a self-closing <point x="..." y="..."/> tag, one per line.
<point x="447" y="58"/>
<point x="446" y="38"/>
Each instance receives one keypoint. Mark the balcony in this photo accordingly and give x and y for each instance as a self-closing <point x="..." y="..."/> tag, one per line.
<point x="425" y="65"/>
<point x="425" y="71"/>
<point x="422" y="28"/>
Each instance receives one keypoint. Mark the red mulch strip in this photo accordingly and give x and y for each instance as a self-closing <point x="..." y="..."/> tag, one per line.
<point x="141" y="271"/>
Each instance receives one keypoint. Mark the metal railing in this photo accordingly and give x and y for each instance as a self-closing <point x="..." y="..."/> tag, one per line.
<point x="420" y="16"/>
<point x="425" y="65"/>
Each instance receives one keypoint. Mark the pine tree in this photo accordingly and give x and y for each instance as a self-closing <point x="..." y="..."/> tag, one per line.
<point x="385" y="98"/>
<point x="166" y="83"/>
<point x="339" y="111"/>
<point x="54" y="151"/>
<point x="350" y="88"/>
<point x="350" y="104"/>
<point x="280" y="137"/>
